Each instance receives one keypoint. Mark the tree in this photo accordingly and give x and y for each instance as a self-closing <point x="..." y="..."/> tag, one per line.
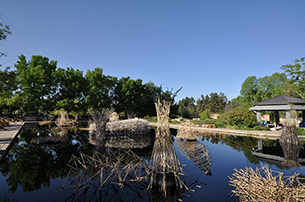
<point x="271" y="86"/>
<point x="249" y="91"/>
<point x="4" y="32"/>
<point x="37" y="81"/>
<point x="217" y="102"/>
<point x="187" y="106"/>
<point x="128" y="96"/>
<point x="101" y="89"/>
<point x="296" y="75"/>
<point x="214" y="103"/>
<point x="8" y="87"/>
<point x="71" y="86"/>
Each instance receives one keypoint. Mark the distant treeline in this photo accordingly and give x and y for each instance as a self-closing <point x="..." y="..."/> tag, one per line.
<point x="253" y="89"/>
<point x="38" y="86"/>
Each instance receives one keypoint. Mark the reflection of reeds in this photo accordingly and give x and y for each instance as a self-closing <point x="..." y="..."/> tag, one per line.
<point x="262" y="185"/>
<point x="116" y="166"/>
<point x="166" y="169"/>
<point x="290" y="143"/>
<point x="197" y="152"/>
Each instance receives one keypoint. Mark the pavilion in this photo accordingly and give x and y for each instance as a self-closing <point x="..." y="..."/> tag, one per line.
<point x="279" y="103"/>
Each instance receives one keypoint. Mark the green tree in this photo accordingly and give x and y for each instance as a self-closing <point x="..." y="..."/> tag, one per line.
<point x="249" y="91"/>
<point x="37" y="81"/>
<point x="217" y="103"/>
<point x="296" y="75"/>
<point x="202" y="103"/>
<point x="187" y="105"/>
<point x="101" y="89"/>
<point x="71" y="86"/>
<point x="4" y="32"/>
<point x="8" y="87"/>
<point x="128" y="96"/>
<point x="271" y="86"/>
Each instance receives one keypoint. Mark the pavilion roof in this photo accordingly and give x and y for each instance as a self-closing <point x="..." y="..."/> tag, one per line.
<point x="279" y="103"/>
<point x="280" y="100"/>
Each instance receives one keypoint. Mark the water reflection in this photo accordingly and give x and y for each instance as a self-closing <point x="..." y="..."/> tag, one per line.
<point x="114" y="173"/>
<point x="196" y="152"/>
<point x="32" y="164"/>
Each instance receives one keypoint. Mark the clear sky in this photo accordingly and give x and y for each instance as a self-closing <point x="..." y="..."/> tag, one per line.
<point x="202" y="46"/>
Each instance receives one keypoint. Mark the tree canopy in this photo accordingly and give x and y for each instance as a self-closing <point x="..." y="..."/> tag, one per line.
<point x="296" y="76"/>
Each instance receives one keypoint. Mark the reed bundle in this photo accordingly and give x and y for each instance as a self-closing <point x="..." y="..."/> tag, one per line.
<point x="64" y="119"/>
<point x="100" y="119"/>
<point x="187" y="133"/>
<point x="262" y="185"/>
<point x="196" y="152"/>
<point x="163" y="111"/>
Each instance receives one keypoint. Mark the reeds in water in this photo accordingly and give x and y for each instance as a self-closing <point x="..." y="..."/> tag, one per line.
<point x="264" y="184"/>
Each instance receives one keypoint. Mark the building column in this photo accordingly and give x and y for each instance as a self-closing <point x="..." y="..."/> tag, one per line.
<point x="277" y="118"/>
<point x="259" y="144"/>
<point x="259" y="117"/>
<point x="288" y="117"/>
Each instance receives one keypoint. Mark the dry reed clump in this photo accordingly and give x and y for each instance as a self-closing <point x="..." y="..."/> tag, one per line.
<point x="114" y="117"/>
<point x="262" y="185"/>
<point x="64" y="120"/>
<point x="187" y="133"/>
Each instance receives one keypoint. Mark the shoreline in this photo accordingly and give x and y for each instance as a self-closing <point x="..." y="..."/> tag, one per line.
<point x="225" y="131"/>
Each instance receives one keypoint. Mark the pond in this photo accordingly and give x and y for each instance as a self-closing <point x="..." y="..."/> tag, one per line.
<point x="38" y="167"/>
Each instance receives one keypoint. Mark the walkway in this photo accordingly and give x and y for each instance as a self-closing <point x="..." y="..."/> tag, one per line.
<point x="7" y="135"/>
<point x="252" y="133"/>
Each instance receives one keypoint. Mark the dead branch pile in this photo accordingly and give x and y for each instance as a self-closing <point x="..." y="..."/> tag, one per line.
<point x="198" y="153"/>
<point x="262" y="185"/>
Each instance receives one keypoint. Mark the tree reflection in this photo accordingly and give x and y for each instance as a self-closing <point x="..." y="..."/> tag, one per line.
<point x="32" y="165"/>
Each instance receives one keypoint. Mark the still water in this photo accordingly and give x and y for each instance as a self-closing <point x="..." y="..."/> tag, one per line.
<point x="37" y="167"/>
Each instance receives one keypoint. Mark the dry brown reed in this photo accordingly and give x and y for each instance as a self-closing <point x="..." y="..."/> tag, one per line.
<point x="64" y="119"/>
<point x="262" y="185"/>
<point x="187" y="133"/>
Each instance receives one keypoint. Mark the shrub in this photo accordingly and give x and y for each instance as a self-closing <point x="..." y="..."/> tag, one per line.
<point x="150" y="118"/>
<point x="239" y="116"/>
<point x="205" y="114"/>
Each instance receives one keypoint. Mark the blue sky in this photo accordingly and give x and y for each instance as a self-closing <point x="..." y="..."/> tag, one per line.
<point x="202" y="46"/>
